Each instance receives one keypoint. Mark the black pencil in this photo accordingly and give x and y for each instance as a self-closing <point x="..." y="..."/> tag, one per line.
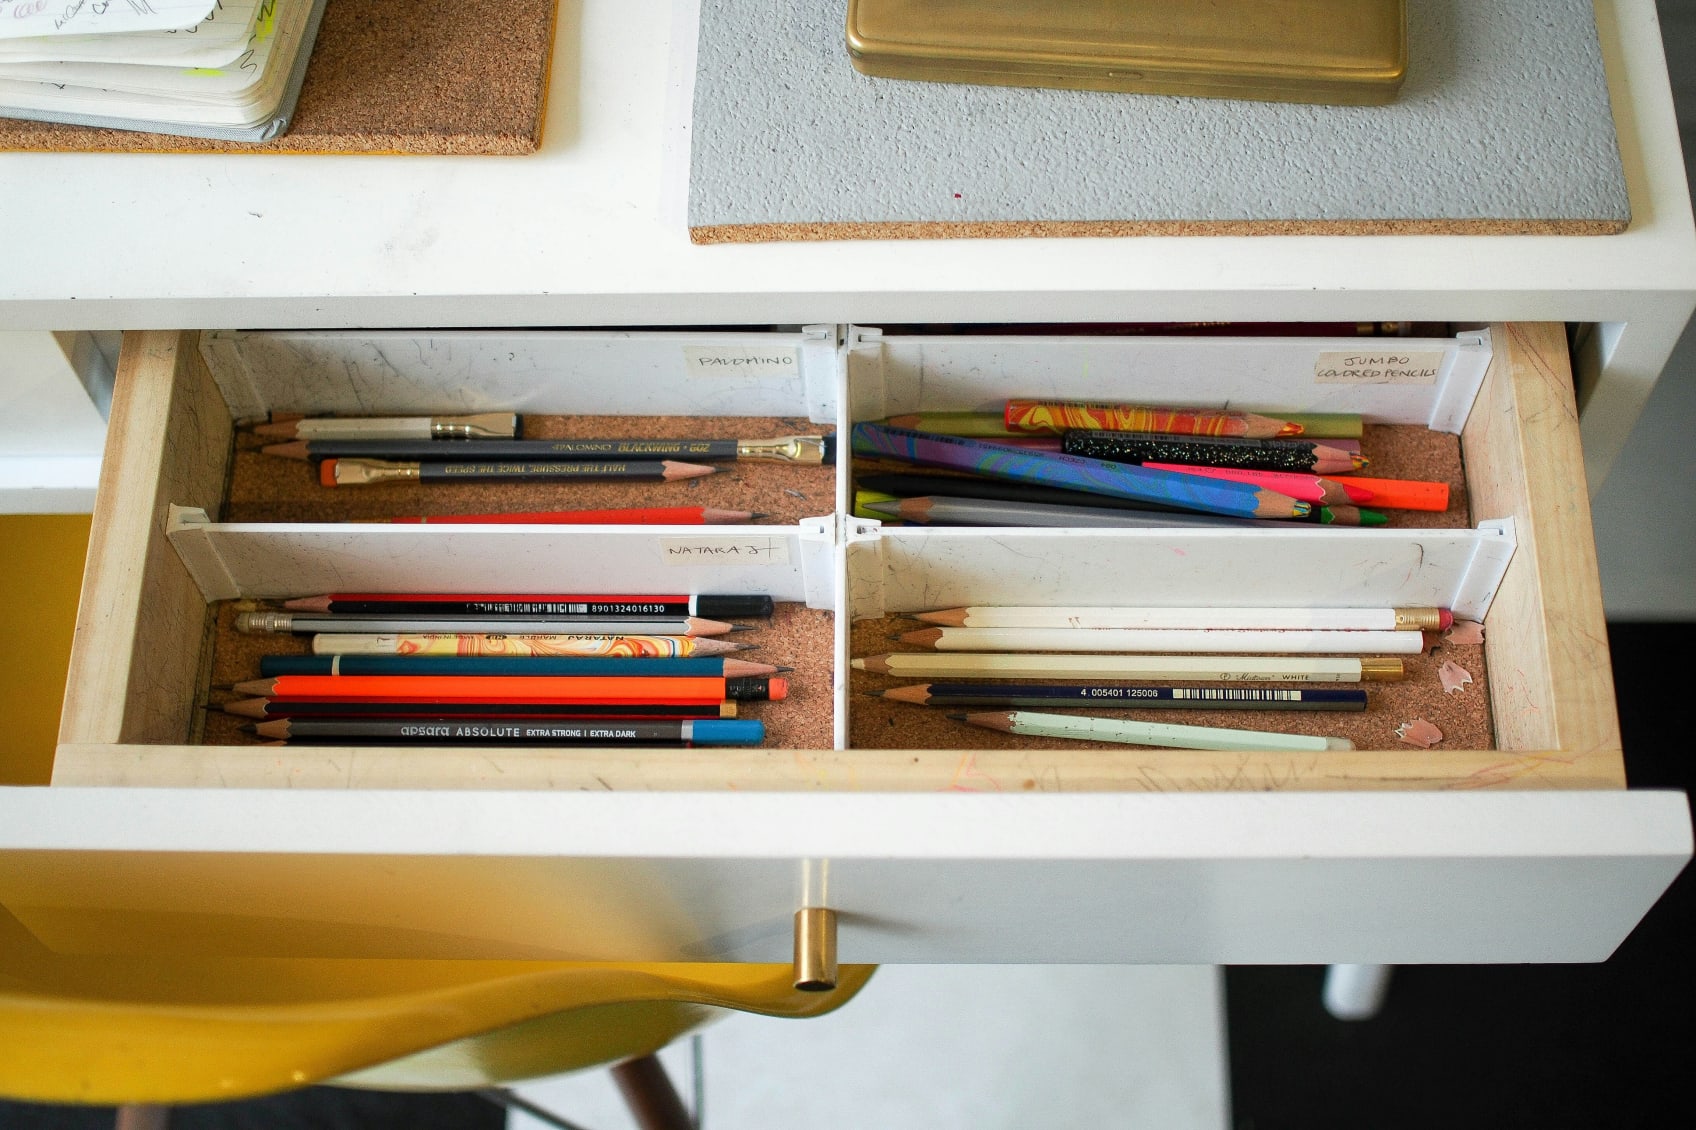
<point x="363" y="472"/>
<point x="1212" y="451"/>
<point x="1123" y="695"/>
<point x="816" y="449"/>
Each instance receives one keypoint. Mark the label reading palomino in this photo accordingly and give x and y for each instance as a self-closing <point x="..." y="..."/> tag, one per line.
<point x="742" y="360"/>
<point x="725" y="551"/>
<point x="1378" y="367"/>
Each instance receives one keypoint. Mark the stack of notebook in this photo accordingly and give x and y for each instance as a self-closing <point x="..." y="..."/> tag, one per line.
<point x="224" y="69"/>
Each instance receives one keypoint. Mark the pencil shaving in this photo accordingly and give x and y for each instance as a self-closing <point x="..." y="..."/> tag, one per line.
<point x="1419" y="732"/>
<point x="1468" y="633"/>
<point x="1454" y="677"/>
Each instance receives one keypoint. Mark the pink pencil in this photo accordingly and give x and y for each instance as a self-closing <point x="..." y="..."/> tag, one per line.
<point x="1308" y="488"/>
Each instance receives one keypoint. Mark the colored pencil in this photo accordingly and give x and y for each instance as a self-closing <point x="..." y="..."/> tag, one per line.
<point x="1308" y="488"/>
<point x="911" y="485"/>
<point x="1314" y="425"/>
<point x="724" y="668"/>
<point x="1327" y="425"/>
<point x="1132" y="448"/>
<point x="1342" y="516"/>
<point x="1123" y="695"/>
<point x="936" y="510"/>
<point x="534" y="604"/>
<point x="456" y="731"/>
<point x="363" y="472"/>
<point x="302" y="708"/>
<point x="311" y="622"/>
<point x="516" y="688"/>
<point x="1071" y="727"/>
<point x="1201" y="668"/>
<point x="636" y="516"/>
<point x="1097" y="476"/>
<point x="820" y="449"/>
<point x="483" y="425"/>
<point x="543" y="644"/>
<point x="1402" y="494"/>
<point x="1217" y="641"/>
<point x="1052" y="417"/>
<point x="1125" y="616"/>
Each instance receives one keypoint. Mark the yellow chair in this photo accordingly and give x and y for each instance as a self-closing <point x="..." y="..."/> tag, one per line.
<point x="146" y="1029"/>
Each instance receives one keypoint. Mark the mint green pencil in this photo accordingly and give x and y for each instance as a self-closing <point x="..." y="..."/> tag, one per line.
<point x="1070" y="727"/>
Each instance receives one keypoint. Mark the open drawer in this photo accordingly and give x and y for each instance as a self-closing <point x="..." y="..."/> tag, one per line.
<point x="1530" y="851"/>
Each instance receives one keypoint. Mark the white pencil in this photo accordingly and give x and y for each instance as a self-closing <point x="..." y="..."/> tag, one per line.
<point x="1084" y="616"/>
<point x="1216" y="640"/>
<point x="1084" y="728"/>
<point x="1178" y="668"/>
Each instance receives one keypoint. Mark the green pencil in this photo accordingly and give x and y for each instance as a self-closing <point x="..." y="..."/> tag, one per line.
<point x="1070" y="727"/>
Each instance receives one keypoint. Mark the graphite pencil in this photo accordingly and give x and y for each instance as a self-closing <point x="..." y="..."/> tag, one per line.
<point x="1114" y="616"/>
<point x="1072" y="727"/>
<point x="709" y="667"/>
<point x="820" y="449"/>
<point x="534" y="604"/>
<point x="1218" y="641"/>
<point x="1097" y="476"/>
<point x="458" y="731"/>
<point x="312" y="622"/>
<point x="535" y="644"/>
<point x="1201" y="668"/>
<point x="1125" y="695"/>
<point x="1133" y="449"/>
<point x="363" y="472"/>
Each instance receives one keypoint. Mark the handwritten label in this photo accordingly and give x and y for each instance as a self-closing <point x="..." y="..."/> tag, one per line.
<point x="725" y="551"/>
<point x="93" y="17"/>
<point x="1379" y="367"/>
<point x="742" y="360"/>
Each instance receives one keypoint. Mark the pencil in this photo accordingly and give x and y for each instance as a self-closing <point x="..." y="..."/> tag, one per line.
<point x="483" y="425"/>
<point x="636" y="516"/>
<point x="516" y="688"/>
<point x="1342" y="516"/>
<point x="302" y="708"/>
<point x="528" y="645"/>
<point x="1071" y="727"/>
<point x="819" y="449"/>
<point x="457" y="731"/>
<point x="1124" y="695"/>
<point x="1097" y="476"/>
<point x="1402" y="494"/>
<point x="725" y="668"/>
<point x="1412" y="619"/>
<point x="1201" y="668"/>
<point x="1051" y="417"/>
<point x="1295" y="455"/>
<point x="363" y="472"/>
<point x="911" y="485"/>
<point x="535" y="604"/>
<point x="1218" y="641"/>
<point x="952" y="423"/>
<point x="936" y="510"/>
<point x="1308" y="488"/>
<point x="311" y="622"/>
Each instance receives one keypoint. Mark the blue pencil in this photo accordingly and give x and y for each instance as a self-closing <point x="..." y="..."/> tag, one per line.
<point x="1073" y="472"/>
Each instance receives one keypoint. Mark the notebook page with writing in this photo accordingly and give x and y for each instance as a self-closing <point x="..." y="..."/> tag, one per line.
<point x="216" y="40"/>
<point x="83" y="17"/>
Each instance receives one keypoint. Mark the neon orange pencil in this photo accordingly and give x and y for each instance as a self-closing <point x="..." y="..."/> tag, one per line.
<point x="516" y="688"/>
<point x="1308" y="488"/>
<point x="1403" y="494"/>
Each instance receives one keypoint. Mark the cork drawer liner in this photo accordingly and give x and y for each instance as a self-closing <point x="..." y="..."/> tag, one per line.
<point x="146" y="649"/>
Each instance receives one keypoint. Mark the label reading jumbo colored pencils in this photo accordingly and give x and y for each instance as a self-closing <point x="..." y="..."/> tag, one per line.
<point x="1347" y="367"/>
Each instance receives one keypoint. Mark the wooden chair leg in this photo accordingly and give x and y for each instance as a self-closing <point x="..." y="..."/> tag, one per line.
<point x="647" y="1090"/>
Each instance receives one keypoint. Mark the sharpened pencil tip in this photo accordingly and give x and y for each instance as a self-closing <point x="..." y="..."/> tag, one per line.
<point x="744" y="627"/>
<point x="956" y="717"/>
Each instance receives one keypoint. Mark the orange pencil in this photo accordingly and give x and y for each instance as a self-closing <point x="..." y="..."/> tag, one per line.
<point x="516" y="688"/>
<point x="1403" y="494"/>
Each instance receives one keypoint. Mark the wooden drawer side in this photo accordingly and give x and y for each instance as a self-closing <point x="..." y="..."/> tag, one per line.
<point x="141" y="627"/>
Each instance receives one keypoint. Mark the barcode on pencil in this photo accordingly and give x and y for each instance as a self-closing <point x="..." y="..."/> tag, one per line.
<point x="1250" y="694"/>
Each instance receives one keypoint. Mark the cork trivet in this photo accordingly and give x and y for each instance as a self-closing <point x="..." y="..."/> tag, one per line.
<point x="797" y="636"/>
<point x="268" y="488"/>
<point x="1083" y="229"/>
<point x="440" y="77"/>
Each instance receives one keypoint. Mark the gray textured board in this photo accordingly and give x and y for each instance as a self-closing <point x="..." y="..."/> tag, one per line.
<point x="1503" y="124"/>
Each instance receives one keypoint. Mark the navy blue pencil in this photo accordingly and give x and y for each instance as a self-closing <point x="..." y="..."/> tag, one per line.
<point x="708" y="667"/>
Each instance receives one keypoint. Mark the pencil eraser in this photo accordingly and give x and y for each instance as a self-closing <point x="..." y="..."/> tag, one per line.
<point x="1445" y="619"/>
<point x="327" y="472"/>
<point x="777" y="688"/>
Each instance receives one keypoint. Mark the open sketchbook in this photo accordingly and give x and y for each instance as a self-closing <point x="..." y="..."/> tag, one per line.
<point x="224" y="69"/>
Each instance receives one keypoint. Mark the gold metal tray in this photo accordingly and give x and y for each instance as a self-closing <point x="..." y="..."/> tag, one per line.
<point x="1346" y="52"/>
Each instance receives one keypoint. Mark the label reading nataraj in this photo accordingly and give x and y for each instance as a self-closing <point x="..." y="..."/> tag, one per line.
<point x="725" y="551"/>
<point x="1379" y="367"/>
<point x="742" y="360"/>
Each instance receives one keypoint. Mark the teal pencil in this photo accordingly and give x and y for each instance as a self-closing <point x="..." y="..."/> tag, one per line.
<point x="1071" y="727"/>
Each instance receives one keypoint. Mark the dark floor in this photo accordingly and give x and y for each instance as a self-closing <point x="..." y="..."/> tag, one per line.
<point x="1456" y="1047"/>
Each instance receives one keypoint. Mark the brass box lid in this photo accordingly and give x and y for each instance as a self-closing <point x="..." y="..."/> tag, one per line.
<point x="1346" y="52"/>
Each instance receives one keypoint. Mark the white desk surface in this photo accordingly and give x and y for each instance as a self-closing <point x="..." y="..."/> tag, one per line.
<point x="591" y="231"/>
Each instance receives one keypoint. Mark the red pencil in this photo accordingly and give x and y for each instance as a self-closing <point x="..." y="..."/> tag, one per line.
<point x="1308" y="488"/>
<point x="656" y="689"/>
<point x="649" y="516"/>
